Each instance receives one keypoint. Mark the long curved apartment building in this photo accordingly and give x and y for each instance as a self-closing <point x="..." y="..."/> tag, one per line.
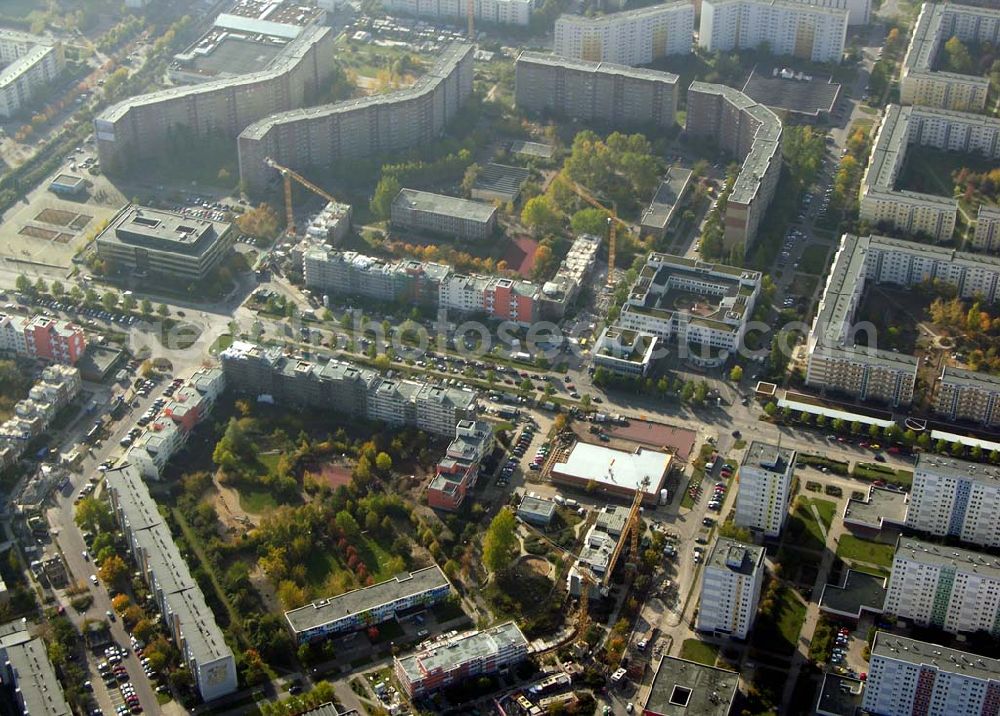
<point x="921" y="83"/>
<point x="138" y="128"/>
<point x="356" y="128"/>
<point x="741" y="127"/>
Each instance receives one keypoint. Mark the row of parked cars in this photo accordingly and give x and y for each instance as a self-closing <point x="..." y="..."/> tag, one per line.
<point x="113" y="672"/>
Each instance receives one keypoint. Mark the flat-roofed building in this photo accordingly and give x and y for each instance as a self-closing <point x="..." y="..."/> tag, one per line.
<point x="950" y="588"/>
<point x="836" y="361"/>
<point x="955" y="498"/>
<point x="536" y="510"/>
<point x="368" y="606"/>
<point x="316" y="137"/>
<point x="440" y="214"/>
<point x="687" y="688"/>
<point x="614" y="472"/>
<point x="597" y="92"/>
<point x="663" y="207"/>
<point x="179" y="598"/>
<point x="987" y="234"/>
<point x="765" y="478"/>
<point x="730" y="588"/>
<point x="500" y="12"/>
<point x="921" y="82"/>
<point x="968" y="395"/>
<point x="625" y="352"/>
<point x="905" y="127"/>
<point x="458" y="471"/>
<point x="464" y="656"/>
<point x="143" y="128"/>
<point x="907" y="677"/>
<point x="809" y="31"/>
<point x="25" y="667"/>
<point x="28" y="63"/>
<point x="499" y="182"/>
<point x="141" y="241"/>
<point x="750" y="132"/>
<point x="632" y="37"/>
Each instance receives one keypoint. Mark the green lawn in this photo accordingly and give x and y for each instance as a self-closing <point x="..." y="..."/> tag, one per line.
<point x="779" y="633"/>
<point x="699" y="651"/>
<point x="814" y="259"/>
<point x="257" y="502"/>
<point x="872" y="471"/>
<point x="220" y="344"/>
<point x="861" y="550"/>
<point x="825" y="508"/>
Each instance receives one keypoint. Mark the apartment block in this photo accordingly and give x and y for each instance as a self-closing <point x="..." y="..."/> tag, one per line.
<point x="141" y="241"/>
<point x="920" y="82"/>
<point x="907" y="677"/>
<point x="47" y="339"/>
<point x="633" y="37"/>
<point x="809" y="31"/>
<point x="450" y="660"/>
<point x="573" y="272"/>
<point x="58" y="386"/>
<point x="458" y="471"/>
<point x="140" y="128"/>
<point x="179" y="598"/>
<point x="765" y="478"/>
<point x="499" y="12"/>
<point x="730" y="588"/>
<point x="28" y="63"/>
<point x="750" y="132"/>
<point x="968" y="395"/>
<point x="599" y="92"/>
<point x="955" y="498"/>
<point x="946" y="587"/>
<point x="902" y="128"/>
<point x="351" y="273"/>
<point x="837" y="362"/>
<point x="858" y="11"/>
<point x="440" y="214"/>
<point x="368" y="606"/>
<point x="316" y="137"/>
<point x="987" y="234"/>
<point x="345" y="388"/>
<point x="26" y="669"/>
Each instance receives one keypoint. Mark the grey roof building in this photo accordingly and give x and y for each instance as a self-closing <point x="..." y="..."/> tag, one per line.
<point x="536" y="511"/>
<point x="686" y="688"/>
<point x="441" y="214"/>
<point x="25" y="666"/>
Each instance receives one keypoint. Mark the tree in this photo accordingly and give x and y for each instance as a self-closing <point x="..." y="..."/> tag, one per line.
<point x="385" y="192"/>
<point x="957" y="56"/>
<point x="260" y="223"/>
<point x="590" y="221"/>
<point x="128" y="303"/>
<point x="58" y="289"/>
<point x="22" y="284"/>
<point x="40" y="285"/>
<point x="347" y="524"/>
<point x="736" y="374"/>
<point x="113" y="571"/>
<point x="500" y="544"/>
<point x="383" y="463"/>
<point x="120" y="602"/>
<point x="469" y="178"/>
<point x="93" y="515"/>
<point x="541" y="214"/>
<point x="144" y="630"/>
<point x="163" y="310"/>
<point x="291" y="595"/>
<point x="109" y="300"/>
<point x="146" y="307"/>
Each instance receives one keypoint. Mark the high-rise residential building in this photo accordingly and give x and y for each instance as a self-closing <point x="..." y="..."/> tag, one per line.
<point x="858" y="11"/>
<point x="346" y="388"/>
<point x="752" y="133"/>
<point x="809" y="31"/>
<point x="987" y="234"/>
<point x="141" y="241"/>
<point x="500" y="12"/>
<point x="446" y="215"/>
<point x="316" y="137"/>
<point x="368" y="606"/>
<point x="178" y="597"/>
<point x="730" y="588"/>
<point x="458" y="471"/>
<point x="143" y="128"/>
<point x="907" y="677"/>
<point x="450" y="660"/>
<point x="904" y="127"/>
<point x="955" y="498"/>
<point x="968" y="395"/>
<point x="27" y="64"/>
<point x="633" y="37"/>
<point x="765" y="488"/>
<point x="837" y="361"/>
<point x="946" y="587"/>
<point x="598" y="92"/>
<point x="920" y="82"/>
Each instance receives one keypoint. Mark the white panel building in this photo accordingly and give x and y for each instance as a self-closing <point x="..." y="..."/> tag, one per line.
<point x="765" y="478"/>
<point x="810" y="32"/>
<point x="633" y="37"/>
<point x="730" y="588"/>
<point x="955" y="498"/>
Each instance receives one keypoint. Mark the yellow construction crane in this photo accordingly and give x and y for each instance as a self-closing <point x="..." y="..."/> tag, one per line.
<point x="613" y="222"/>
<point x="287" y="175"/>
<point x="470" y="10"/>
